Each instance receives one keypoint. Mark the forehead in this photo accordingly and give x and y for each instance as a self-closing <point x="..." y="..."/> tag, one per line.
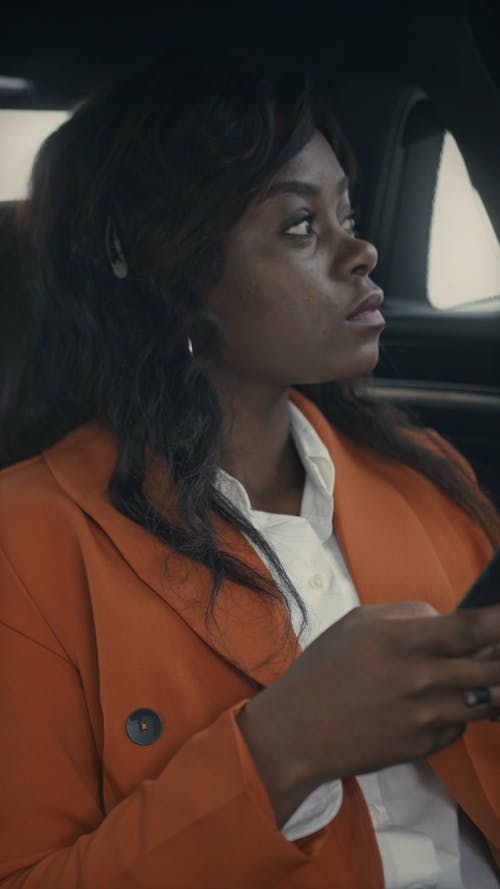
<point x="316" y="163"/>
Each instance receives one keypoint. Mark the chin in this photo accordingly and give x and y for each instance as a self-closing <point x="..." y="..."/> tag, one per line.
<point x="350" y="365"/>
<point x="360" y="365"/>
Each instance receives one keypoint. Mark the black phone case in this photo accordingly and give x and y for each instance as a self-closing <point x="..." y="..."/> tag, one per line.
<point x="486" y="588"/>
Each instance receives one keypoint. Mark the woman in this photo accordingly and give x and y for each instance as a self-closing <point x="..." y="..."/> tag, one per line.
<point x="190" y="517"/>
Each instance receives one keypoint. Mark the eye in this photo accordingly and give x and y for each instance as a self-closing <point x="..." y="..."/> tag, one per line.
<point x="301" y="228"/>
<point x="351" y="223"/>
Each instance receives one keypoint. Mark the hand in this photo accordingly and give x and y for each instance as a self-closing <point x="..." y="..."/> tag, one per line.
<point x="383" y="685"/>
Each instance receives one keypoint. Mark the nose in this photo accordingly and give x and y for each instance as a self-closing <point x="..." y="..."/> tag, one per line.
<point x="355" y="257"/>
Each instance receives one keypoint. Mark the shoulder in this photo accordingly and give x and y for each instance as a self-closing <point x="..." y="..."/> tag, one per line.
<point x="29" y="500"/>
<point x="34" y="492"/>
<point x="46" y="533"/>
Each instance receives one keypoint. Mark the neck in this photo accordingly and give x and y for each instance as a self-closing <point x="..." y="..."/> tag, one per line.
<point x="258" y="448"/>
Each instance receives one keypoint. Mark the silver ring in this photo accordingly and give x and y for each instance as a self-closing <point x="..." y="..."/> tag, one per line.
<point x="474" y="697"/>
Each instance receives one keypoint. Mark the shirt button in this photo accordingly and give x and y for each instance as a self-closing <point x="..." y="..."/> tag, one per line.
<point x="317" y="581"/>
<point x="144" y="726"/>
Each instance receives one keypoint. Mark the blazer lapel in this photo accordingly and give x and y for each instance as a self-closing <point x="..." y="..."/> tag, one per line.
<point x="249" y="630"/>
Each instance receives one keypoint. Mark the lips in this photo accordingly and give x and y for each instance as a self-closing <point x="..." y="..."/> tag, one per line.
<point x="367" y="309"/>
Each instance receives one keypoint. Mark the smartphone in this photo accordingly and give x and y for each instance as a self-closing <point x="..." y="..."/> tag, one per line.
<point x="486" y="588"/>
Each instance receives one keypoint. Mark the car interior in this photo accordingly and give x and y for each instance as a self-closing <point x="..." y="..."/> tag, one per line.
<point x="416" y="87"/>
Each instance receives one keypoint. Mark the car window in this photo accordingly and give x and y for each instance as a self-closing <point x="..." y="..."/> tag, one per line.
<point x="464" y="259"/>
<point x="22" y="134"/>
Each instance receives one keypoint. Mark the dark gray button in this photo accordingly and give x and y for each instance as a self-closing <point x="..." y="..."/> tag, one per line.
<point x="144" y="726"/>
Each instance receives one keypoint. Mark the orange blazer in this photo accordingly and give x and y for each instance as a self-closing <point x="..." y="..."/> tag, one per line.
<point x="98" y="621"/>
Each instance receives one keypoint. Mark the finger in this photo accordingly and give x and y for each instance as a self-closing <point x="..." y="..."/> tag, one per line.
<point x="447" y="735"/>
<point x="402" y="610"/>
<point x="489" y="651"/>
<point x="467" y="673"/>
<point x="460" y="632"/>
<point x="448" y="710"/>
<point x="483" y="710"/>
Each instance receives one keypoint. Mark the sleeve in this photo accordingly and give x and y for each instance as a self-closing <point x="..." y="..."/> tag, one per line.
<point x="204" y="821"/>
<point x="315" y="812"/>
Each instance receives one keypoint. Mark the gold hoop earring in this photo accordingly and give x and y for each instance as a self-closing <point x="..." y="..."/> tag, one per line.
<point x="190" y="347"/>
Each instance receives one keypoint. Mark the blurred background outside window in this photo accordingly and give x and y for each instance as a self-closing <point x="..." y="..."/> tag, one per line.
<point x="464" y="256"/>
<point x="22" y="134"/>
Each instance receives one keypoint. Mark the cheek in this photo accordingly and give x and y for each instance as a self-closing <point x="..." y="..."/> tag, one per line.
<point x="260" y="301"/>
<point x="241" y="308"/>
<point x="247" y="294"/>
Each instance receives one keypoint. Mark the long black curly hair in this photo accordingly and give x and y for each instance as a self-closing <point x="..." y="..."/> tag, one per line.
<point x="131" y="203"/>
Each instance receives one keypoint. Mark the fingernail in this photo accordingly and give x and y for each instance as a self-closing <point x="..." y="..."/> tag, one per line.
<point x="486" y="652"/>
<point x="489" y="651"/>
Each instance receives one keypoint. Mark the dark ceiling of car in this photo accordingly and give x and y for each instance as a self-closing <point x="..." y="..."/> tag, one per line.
<point x="65" y="49"/>
<point x="450" y="50"/>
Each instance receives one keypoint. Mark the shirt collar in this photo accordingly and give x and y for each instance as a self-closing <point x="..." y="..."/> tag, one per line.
<point x="311" y="450"/>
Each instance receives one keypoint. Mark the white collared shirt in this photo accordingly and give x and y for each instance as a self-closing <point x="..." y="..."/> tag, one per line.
<point x="424" y="842"/>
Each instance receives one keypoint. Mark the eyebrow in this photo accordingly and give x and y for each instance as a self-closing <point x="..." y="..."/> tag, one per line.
<point x="300" y="188"/>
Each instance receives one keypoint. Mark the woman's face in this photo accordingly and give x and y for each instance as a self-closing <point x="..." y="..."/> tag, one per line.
<point x="295" y="303"/>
